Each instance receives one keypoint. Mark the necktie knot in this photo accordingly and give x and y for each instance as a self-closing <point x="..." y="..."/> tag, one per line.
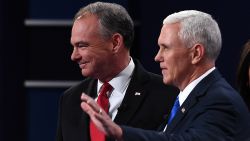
<point x="105" y="90"/>
<point x="103" y="98"/>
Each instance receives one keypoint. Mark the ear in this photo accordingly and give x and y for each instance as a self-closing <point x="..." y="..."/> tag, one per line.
<point x="117" y="40"/>
<point x="198" y="52"/>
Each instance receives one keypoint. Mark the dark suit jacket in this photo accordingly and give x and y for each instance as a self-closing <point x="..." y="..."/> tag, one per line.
<point x="145" y="111"/>
<point x="213" y="111"/>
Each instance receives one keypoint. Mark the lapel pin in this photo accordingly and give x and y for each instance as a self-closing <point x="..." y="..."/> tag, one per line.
<point x="137" y="93"/>
<point x="183" y="110"/>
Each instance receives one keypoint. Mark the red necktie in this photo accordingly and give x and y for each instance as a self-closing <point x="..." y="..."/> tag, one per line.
<point x="103" y="101"/>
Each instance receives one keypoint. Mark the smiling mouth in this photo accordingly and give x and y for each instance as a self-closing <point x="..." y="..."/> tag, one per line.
<point x="163" y="70"/>
<point x="82" y="65"/>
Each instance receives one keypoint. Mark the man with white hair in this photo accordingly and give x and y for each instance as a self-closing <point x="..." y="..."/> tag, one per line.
<point x="207" y="107"/>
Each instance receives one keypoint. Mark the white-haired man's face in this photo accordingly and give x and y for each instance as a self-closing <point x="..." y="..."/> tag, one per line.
<point x="173" y="55"/>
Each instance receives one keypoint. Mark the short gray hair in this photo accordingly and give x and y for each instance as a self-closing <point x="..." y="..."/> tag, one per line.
<point x="113" y="18"/>
<point x="198" y="27"/>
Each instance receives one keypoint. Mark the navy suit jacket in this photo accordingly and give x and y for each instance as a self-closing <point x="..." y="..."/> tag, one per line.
<point x="213" y="111"/>
<point x="147" y="110"/>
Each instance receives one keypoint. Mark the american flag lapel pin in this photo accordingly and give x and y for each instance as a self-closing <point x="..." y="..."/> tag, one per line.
<point x="137" y="93"/>
<point x="183" y="110"/>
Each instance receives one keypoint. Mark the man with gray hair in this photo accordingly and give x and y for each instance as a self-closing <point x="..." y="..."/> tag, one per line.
<point x="207" y="107"/>
<point x="102" y="35"/>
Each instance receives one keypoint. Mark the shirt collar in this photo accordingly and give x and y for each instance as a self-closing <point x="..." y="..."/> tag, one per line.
<point x="187" y="90"/>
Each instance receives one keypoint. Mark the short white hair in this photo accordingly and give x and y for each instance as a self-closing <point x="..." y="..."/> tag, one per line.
<point x="178" y="16"/>
<point x="198" y="27"/>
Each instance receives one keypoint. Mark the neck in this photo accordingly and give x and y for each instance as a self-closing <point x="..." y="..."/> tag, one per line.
<point x="118" y="65"/>
<point x="195" y="73"/>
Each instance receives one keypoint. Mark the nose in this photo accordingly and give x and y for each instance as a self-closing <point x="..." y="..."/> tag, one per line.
<point x="75" y="54"/>
<point x="158" y="57"/>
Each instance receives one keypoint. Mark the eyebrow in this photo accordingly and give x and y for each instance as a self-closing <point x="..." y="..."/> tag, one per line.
<point x="163" y="45"/>
<point x="80" y="42"/>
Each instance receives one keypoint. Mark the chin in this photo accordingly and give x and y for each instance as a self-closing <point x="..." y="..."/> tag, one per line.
<point x="165" y="81"/>
<point x="85" y="73"/>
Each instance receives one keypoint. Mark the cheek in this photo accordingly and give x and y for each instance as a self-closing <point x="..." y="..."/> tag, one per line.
<point x="89" y="55"/>
<point x="176" y="68"/>
<point x="167" y="75"/>
<point x="83" y="53"/>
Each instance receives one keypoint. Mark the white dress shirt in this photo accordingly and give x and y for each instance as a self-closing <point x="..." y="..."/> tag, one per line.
<point x="120" y="84"/>
<point x="187" y="90"/>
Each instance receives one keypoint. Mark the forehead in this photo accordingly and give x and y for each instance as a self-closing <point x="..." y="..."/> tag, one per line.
<point x="85" y="28"/>
<point x="168" y="32"/>
<point x="87" y="22"/>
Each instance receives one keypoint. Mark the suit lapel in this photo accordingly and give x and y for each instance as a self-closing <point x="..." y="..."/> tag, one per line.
<point x="163" y="125"/>
<point x="90" y="89"/>
<point x="193" y="97"/>
<point x="134" y="95"/>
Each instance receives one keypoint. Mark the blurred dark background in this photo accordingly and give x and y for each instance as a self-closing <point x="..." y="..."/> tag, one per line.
<point x="35" y="65"/>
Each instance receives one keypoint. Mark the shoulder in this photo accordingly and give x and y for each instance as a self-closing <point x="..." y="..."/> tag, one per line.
<point x="222" y="89"/>
<point x="77" y="89"/>
<point x="221" y="94"/>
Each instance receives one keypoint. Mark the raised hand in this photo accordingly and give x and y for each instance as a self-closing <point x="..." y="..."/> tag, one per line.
<point x="100" y="118"/>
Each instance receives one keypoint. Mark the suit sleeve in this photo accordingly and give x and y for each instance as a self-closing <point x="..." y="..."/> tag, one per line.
<point x="216" y="123"/>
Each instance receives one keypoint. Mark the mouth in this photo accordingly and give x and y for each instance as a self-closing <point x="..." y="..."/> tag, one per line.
<point x="163" y="70"/>
<point x="162" y="67"/>
<point x="82" y="65"/>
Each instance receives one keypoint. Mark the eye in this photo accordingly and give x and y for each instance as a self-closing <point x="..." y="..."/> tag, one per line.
<point x="82" y="45"/>
<point x="164" y="47"/>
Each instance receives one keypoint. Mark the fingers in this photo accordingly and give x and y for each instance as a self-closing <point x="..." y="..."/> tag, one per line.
<point x="91" y="107"/>
<point x="91" y="102"/>
<point x="109" y="127"/>
<point x="85" y="98"/>
<point x="100" y="118"/>
<point x="93" y="110"/>
<point x="87" y="109"/>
